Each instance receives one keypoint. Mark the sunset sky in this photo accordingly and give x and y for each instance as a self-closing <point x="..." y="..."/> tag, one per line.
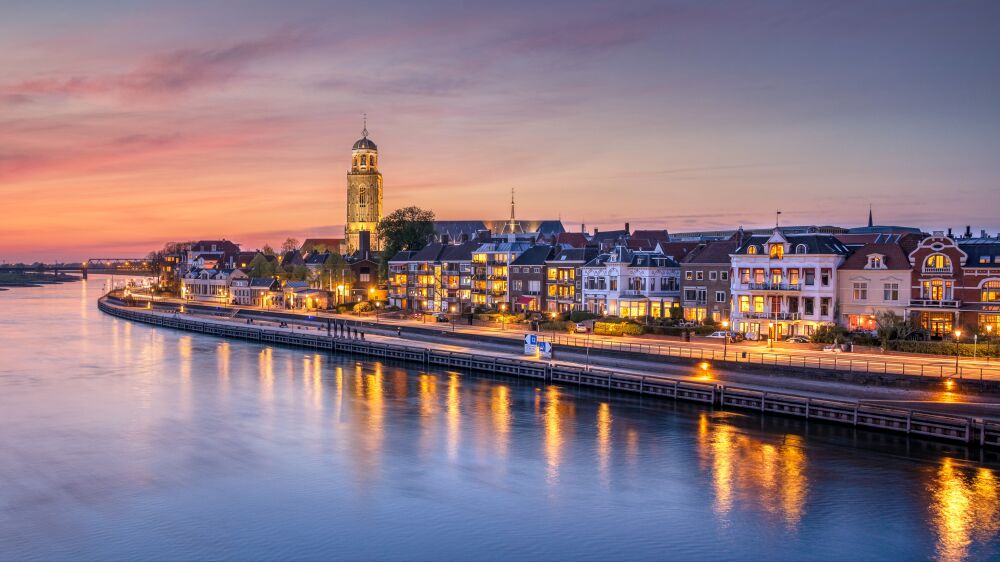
<point x="127" y="124"/>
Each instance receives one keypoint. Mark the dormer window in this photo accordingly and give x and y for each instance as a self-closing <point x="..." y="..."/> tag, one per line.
<point x="875" y="261"/>
<point x="801" y="249"/>
<point x="777" y="251"/>
<point x="752" y="250"/>
<point x="937" y="263"/>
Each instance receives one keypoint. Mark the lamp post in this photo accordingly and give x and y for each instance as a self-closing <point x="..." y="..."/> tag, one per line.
<point x="553" y="316"/>
<point x="378" y="305"/>
<point x="958" y="335"/>
<point x="725" y="342"/>
<point x="453" y="317"/>
<point x="503" y="316"/>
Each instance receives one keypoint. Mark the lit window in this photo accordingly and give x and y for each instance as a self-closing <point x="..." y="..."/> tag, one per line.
<point x="752" y="250"/>
<point x="937" y="261"/>
<point x="991" y="291"/>
<point x="777" y="251"/>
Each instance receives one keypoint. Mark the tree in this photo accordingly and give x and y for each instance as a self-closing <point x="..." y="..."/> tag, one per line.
<point x="267" y="250"/>
<point x="890" y="326"/>
<point x="261" y="267"/>
<point x="336" y="271"/>
<point x="409" y="228"/>
<point x="290" y="244"/>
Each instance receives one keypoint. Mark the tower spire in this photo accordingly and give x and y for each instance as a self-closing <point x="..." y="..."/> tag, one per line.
<point x="871" y="223"/>
<point x="364" y="131"/>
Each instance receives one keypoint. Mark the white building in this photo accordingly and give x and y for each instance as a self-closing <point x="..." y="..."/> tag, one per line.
<point x="631" y="284"/>
<point x="785" y="284"/>
<point x="210" y="285"/>
<point x="873" y="280"/>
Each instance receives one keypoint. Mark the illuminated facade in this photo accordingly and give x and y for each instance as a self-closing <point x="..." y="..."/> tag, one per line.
<point x="875" y="279"/>
<point x="631" y="284"/>
<point x="785" y="284"/>
<point x="364" y="194"/>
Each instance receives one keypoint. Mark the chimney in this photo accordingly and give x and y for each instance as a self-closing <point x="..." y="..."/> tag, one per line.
<point x="968" y="231"/>
<point x="364" y="243"/>
<point x="627" y="229"/>
<point x="445" y="240"/>
<point x="583" y="228"/>
<point x="982" y="233"/>
<point x="949" y="232"/>
<point x="595" y="231"/>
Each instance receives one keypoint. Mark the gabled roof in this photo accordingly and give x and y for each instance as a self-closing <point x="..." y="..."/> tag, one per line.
<point x="677" y="250"/>
<point x="715" y="252"/>
<point x="578" y="255"/>
<point x="318" y="258"/>
<point x="297" y="285"/>
<point x="606" y="235"/>
<point x="574" y="239"/>
<point x="322" y="244"/>
<point x="459" y="252"/>
<point x="402" y="256"/>
<point x="535" y="255"/>
<point x="263" y="282"/>
<point x="814" y="244"/>
<point x="893" y="257"/>
<point x="224" y="246"/>
<point x="653" y="236"/>
<point x="428" y="253"/>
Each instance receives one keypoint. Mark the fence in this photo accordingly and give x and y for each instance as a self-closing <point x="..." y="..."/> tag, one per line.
<point x="942" y="368"/>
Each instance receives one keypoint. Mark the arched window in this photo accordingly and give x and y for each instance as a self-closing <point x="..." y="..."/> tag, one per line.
<point x="364" y="160"/>
<point x="801" y="249"/>
<point x="777" y="251"/>
<point x="371" y="160"/>
<point x="991" y="291"/>
<point x="361" y="196"/>
<point x="752" y="250"/>
<point x="937" y="262"/>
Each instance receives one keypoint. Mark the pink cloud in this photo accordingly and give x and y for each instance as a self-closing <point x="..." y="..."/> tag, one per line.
<point x="164" y="74"/>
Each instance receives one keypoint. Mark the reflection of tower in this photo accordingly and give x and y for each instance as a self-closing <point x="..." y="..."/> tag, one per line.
<point x="364" y="193"/>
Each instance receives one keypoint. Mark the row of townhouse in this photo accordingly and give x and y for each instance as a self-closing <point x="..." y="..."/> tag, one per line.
<point x="437" y="278"/>
<point x="790" y="284"/>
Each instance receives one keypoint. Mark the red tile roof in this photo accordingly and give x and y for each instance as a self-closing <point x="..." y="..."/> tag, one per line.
<point x="895" y="257"/>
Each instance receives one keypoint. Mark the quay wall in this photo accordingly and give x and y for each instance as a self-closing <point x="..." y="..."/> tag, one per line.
<point x="958" y="429"/>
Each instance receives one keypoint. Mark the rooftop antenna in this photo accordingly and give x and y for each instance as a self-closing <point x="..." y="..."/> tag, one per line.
<point x="777" y="215"/>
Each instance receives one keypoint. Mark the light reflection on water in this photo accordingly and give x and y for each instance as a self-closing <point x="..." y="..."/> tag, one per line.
<point x="123" y="441"/>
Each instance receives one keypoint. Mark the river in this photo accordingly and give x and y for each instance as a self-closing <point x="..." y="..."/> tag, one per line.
<point x="123" y="441"/>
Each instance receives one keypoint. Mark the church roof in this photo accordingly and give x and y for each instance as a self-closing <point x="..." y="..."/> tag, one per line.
<point x="364" y="143"/>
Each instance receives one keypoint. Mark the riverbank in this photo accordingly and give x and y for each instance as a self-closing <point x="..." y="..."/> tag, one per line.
<point x="698" y="387"/>
<point x="13" y="280"/>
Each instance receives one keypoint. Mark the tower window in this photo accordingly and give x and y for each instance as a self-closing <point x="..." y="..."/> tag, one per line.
<point x="361" y="196"/>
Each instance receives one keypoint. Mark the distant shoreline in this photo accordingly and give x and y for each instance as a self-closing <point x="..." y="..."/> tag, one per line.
<point x="17" y="280"/>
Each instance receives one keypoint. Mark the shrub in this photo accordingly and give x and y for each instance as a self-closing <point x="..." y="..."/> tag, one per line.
<point x="581" y="315"/>
<point x="943" y="348"/>
<point x="557" y="326"/>
<point x="704" y="330"/>
<point x="829" y="334"/>
<point x="362" y="307"/>
<point x="617" y="329"/>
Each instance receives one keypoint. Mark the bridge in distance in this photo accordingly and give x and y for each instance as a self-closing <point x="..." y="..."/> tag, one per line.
<point x="117" y="266"/>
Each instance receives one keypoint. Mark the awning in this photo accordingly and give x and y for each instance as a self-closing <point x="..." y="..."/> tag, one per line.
<point x="525" y="300"/>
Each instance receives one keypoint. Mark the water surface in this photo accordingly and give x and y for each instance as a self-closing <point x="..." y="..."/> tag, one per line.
<point x="122" y="441"/>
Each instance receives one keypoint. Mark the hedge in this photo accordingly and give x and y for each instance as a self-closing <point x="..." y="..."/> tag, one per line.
<point x="581" y="315"/>
<point x="983" y="349"/>
<point x="617" y="329"/>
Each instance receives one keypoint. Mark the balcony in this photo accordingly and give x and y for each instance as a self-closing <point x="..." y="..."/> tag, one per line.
<point x="769" y="286"/>
<point x="937" y="270"/>
<point x="769" y="315"/>
<point x="933" y="303"/>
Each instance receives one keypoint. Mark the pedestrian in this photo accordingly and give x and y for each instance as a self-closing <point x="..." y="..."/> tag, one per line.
<point x="399" y="331"/>
<point x="362" y="336"/>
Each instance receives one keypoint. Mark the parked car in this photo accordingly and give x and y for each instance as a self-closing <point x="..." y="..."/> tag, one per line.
<point x="718" y="335"/>
<point x="797" y="339"/>
<point x="733" y="336"/>
<point x="580" y="328"/>
<point x="440" y="317"/>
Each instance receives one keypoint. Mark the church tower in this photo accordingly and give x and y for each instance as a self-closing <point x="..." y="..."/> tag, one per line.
<point x="364" y="193"/>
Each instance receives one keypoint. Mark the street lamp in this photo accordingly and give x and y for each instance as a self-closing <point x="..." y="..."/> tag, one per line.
<point x="725" y="341"/>
<point x="453" y="317"/>
<point x="503" y="316"/>
<point x="378" y="305"/>
<point x="553" y="316"/>
<point x="958" y="335"/>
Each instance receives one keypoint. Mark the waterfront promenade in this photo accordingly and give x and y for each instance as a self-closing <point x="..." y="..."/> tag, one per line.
<point x="936" y="414"/>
